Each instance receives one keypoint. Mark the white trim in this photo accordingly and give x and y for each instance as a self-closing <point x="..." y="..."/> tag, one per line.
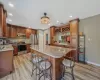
<point x="93" y="63"/>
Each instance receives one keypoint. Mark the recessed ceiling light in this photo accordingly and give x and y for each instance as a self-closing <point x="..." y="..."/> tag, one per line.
<point x="10" y="14"/>
<point x="70" y="16"/>
<point x="57" y="21"/>
<point x="10" y="4"/>
<point x="9" y="20"/>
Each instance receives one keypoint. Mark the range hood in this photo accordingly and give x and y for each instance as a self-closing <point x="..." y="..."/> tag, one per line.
<point x="21" y="35"/>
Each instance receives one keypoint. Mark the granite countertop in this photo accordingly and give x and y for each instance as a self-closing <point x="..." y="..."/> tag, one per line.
<point x="53" y="51"/>
<point x="6" y="48"/>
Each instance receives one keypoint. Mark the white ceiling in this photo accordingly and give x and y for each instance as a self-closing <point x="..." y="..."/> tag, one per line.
<point x="28" y="12"/>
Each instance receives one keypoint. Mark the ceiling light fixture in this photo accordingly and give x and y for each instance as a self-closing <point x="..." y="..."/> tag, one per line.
<point x="10" y="14"/>
<point x="57" y="21"/>
<point x="10" y="4"/>
<point x="45" y="19"/>
<point x="9" y="20"/>
<point x="70" y="16"/>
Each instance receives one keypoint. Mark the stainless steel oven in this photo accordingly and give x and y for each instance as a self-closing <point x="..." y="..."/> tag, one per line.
<point x="22" y="48"/>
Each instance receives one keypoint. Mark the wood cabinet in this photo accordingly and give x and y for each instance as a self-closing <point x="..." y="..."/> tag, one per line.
<point x="6" y="63"/>
<point x="4" y="23"/>
<point x="8" y="31"/>
<point x="57" y="29"/>
<point x="74" y="31"/>
<point x="15" y="52"/>
<point x="28" y="48"/>
<point x="65" y="28"/>
<point x="13" y="32"/>
<point x="1" y="19"/>
<point x="52" y="34"/>
<point x="21" y="30"/>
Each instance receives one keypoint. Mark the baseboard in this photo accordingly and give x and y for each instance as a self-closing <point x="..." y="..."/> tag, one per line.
<point x="89" y="62"/>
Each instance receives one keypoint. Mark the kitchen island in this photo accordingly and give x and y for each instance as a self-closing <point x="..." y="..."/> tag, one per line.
<point x="55" y="56"/>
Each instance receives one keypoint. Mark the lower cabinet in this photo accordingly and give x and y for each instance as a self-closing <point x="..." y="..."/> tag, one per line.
<point x="28" y="48"/>
<point x="6" y="63"/>
<point x="15" y="52"/>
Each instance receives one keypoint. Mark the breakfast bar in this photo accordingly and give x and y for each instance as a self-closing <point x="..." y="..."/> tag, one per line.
<point x="55" y="56"/>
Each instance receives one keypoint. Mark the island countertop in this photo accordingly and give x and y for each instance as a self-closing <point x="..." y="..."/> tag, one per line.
<point x="53" y="51"/>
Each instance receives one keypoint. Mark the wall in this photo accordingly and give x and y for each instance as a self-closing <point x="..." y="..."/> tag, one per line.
<point x="91" y="28"/>
<point x="41" y="37"/>
<point x="20" y="40"/>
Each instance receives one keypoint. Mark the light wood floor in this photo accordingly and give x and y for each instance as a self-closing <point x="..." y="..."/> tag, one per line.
<point x="23" y="68"/>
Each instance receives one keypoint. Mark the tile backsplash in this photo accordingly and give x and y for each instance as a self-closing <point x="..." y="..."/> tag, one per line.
<point x="20" y="40"/>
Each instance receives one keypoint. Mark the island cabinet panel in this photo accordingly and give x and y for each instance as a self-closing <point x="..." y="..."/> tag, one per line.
<point x="52" y="34"/>
<point x="1" y="20"/>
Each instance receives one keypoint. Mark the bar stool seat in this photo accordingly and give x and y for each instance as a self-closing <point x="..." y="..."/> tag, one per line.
<point x="68" y="63"/>
<point x="37" y="59"/>
<point x="45" y="65"/>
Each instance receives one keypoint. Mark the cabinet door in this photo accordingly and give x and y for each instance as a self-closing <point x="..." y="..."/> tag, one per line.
<point x="15" y="51"/>
<point x="23" y="30"/>
<point x="28" y="48"/>
<point x="4" y="25"/>
<point x="8" y="31"/>
<point x="1" y="20"/>
<point x="52" y="34"/>
<point x="13" y="32"/>
<point x="18" y="30"/>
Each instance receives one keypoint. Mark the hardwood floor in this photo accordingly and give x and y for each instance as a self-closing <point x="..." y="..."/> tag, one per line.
<point x="23" y="68"/>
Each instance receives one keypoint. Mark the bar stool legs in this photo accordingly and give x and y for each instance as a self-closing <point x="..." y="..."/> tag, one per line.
<point x="72" y="74"/>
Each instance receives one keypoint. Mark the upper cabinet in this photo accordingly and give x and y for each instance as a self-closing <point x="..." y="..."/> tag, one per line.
<point x="68" y="33"/>
<point x="3" y="25"/>
<point x="21" y="30"/>
<point x="13" y="32"/>
<point x="74" y="30"/>
<point x="52" y="34"/>
<point x="8" y="31"/>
